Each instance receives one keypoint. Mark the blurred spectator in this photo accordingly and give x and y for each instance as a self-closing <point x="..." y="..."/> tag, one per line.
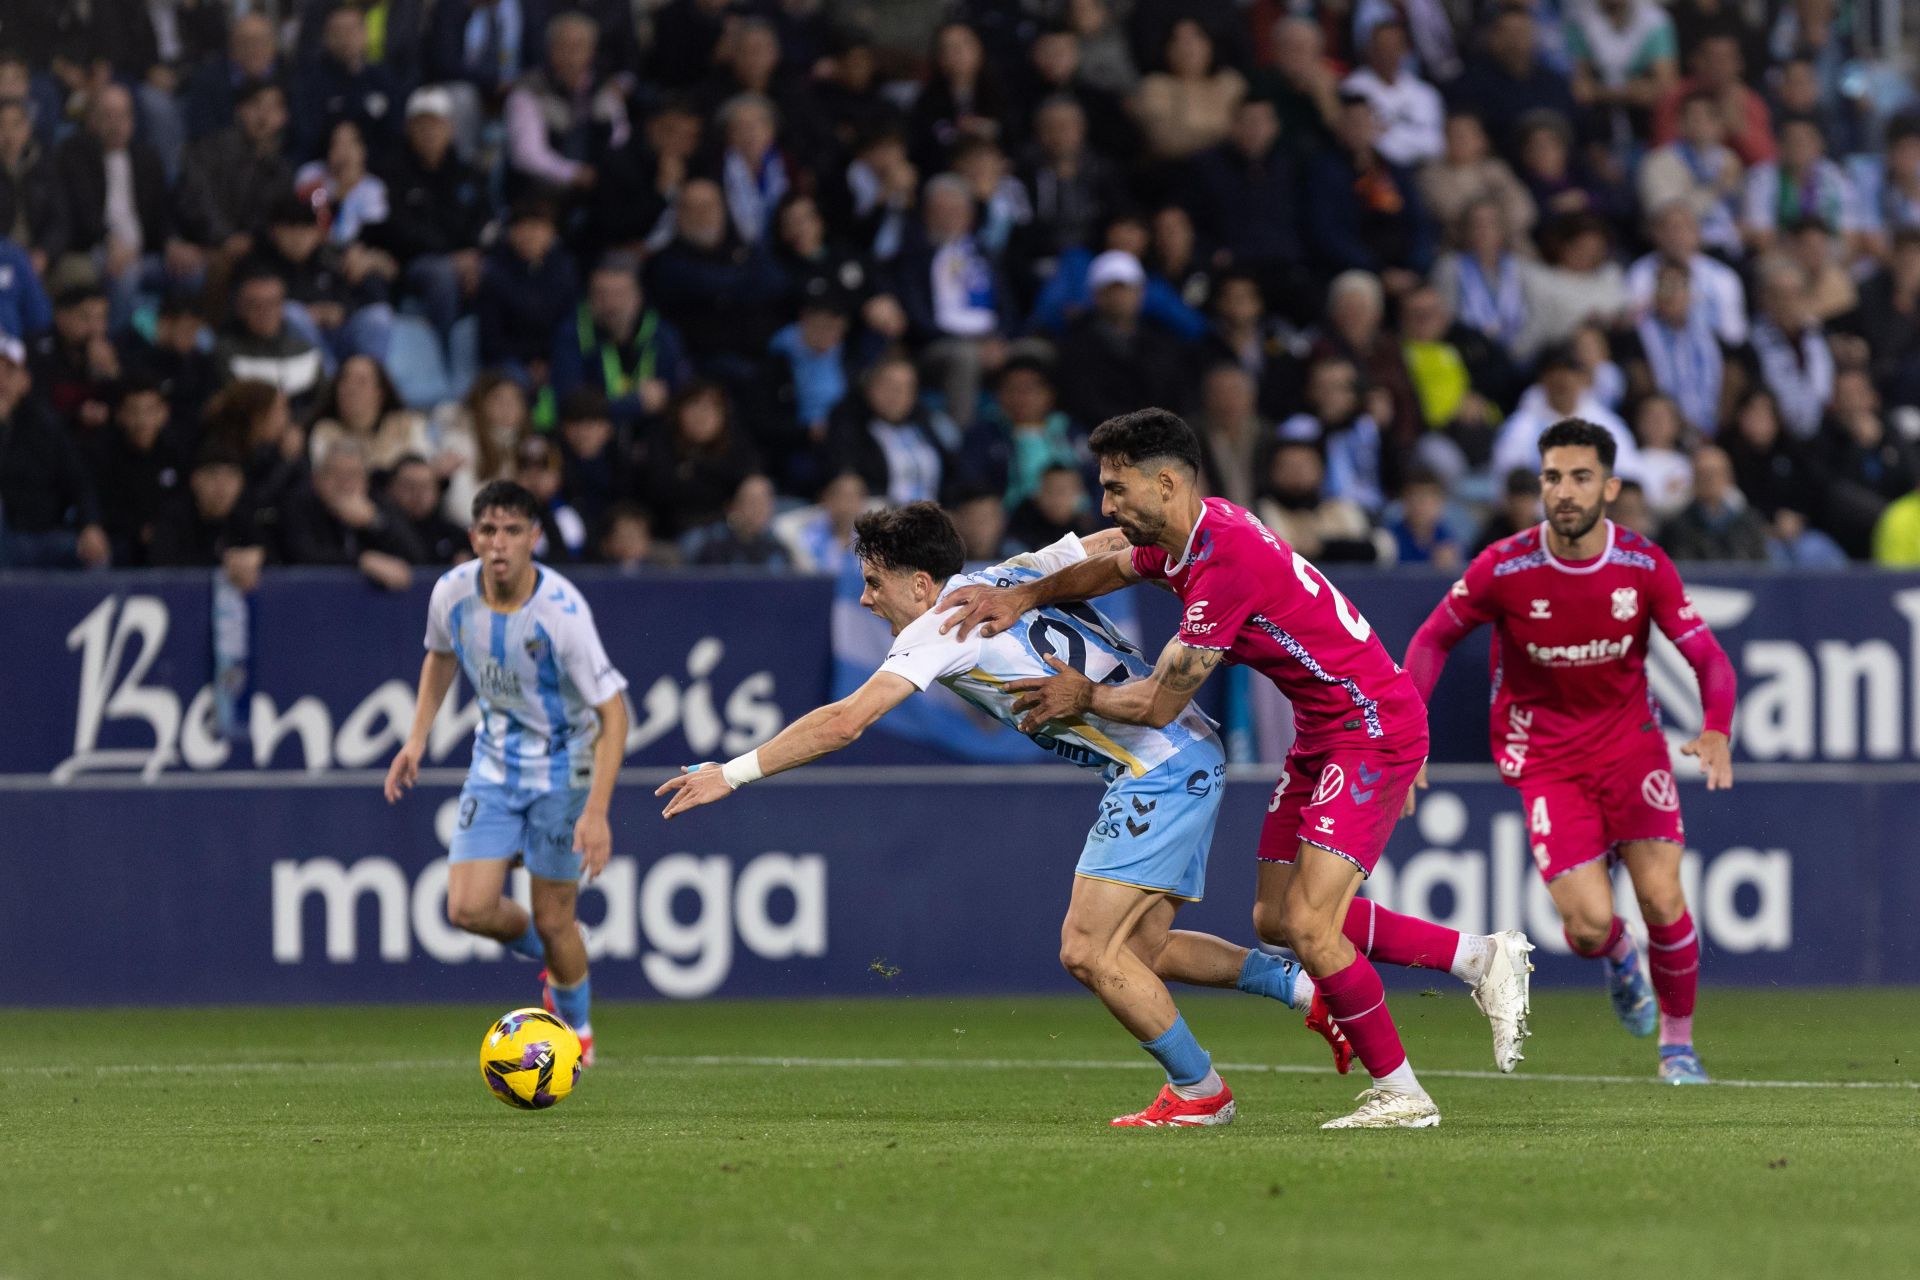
<point x="437" y="212"/>
<point x="814" y="348"/>
<point x="361" y="403"/>
<point x="563" y="534"/>
<point x="1232" y="435"/>
<point x="1791" y="349"/>
<point x="1260" y="346"/>
<point x="1810" y="245"/>
<point x="1563" y="391"/>
<point x="1057" y="507"/>
<point x="1069" y="294"/>
<point x="137" y="468"/>
<point x="336" y="298"/>
<point x="1698" y="169"/>
<point x="1867" y="465"/>
<point x="1486" y="283"/>
<point x="563" y="119"/>
<point x="1510" y="79"/>
<point x="30" y="209"/>
<point x="1449" y="365"/>
<point x="752" y="171"/>
<point x="1245" y="192"/>
<point x="1002" y="211"/>
<point x="1896" y="539"/>
<point x="1467" y="173"/>
<point x="1899" y="202"/>
<point x="615" y="344"/>
<point x="1365" y="214"/>
<point x="1625" y="58"/>
<point x="485" y="427"/>
<point x="1021" y="434"/>
<point x="350" y="199"/>
<point x="1113" y="360"/>
<point x="627" y="542"/>
<point x="1057" y="79"/>
<point x="1419" y="532"/>
<point x="1075" y="189"/>
<point x="883" y="436"/>
<point x="75" y="366"/>
<point x="205" y="523"/>
<point x="1717" y="68"/>
<point x="1355" y="331"/>
<point x="115" y="201"/>
<point x="745" y="538"/>
<point x="1519" y="509"/>
<point x="1302" y="86"/>
<point x="1802" y="184"/>
<point x="694" y="461"/>
<point x="1716" y="525"/>
<point x="1293" y="505"/>
<point x="1888" y="320"/>
<point x="414" y="492"/>
<point x="961" y="99"/>
<point x="179" y="363"/>
<point x="956" y="301"/>
<point x="1716" y="291"/>
<point x="1579" y="284"/>
<point x="251" y="420"/>
<point x="818" y="267"/>
<point x="49" y="511"/>
<point x="1106" y="58"/>
<point x="212" y="93"/>
<point x="234" y="177"/>
<point x="1187" y="107"/>
<point x="1666" y="472"/>
<point x="1337" y="423"/>
<point x="335" y="520"/>
<point x="259" y="344"/>
<point x="1630" y="511"/>
<point x="1561" y="182"/>
<point x="1677" y="354"/>
<point x="596" y="456"/>
<point x="342" y="86"/>
<point x="724" y="296"/>
<point x="1782" y="483"/>
<point x="982" y="520"/>
<point x="820" y="537"/>
<point x="1409" y="109"/>
<point x="528" y="287"/>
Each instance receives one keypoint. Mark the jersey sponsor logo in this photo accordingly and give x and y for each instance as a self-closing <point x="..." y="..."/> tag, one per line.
<point x="496" y="682"/>
<point x="1332" y="778"/>
<point x="1196" y="612"/>
<point x="1200" y="782"/>
<point x="1325" y="826"/>
<point x="1687" y="611"/>
<point x="1591" y="653"/>
<point x="1513" y="757"/>
<point x="1658" y="790"/>
<point x="1541" y="609"/>
<point x="1460" y="588"/>
<point x="1626" y="603"/>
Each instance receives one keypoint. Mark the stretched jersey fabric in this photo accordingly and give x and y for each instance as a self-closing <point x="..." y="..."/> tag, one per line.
<point x="1250" y="595"/>
<point x="1570" y="649"/>
<point x="539" y="672"/>
<point x="978" y="668"/>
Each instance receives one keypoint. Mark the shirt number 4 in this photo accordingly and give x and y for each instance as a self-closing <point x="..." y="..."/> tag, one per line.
<point x="1312" y="579"/>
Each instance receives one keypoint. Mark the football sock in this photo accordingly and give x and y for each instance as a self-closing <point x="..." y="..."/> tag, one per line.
<point x="1471" y="957"/>
<point x="573" y="1003"/>
<point x="1391" y="938"/>
<point x="1185" y="1062"/>
<point x="1358" y="1002"/>
<point x="528" y="944"/>
<point x="1277" y="979"/>
<point x="1673" y="961"/>
<point x="1401" y="1080"/>
<point x="1205" y="1089"/>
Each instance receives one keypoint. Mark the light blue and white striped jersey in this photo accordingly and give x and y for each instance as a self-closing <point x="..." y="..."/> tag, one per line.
<point x="539" y="673"/>
<point x="978" y="669"/>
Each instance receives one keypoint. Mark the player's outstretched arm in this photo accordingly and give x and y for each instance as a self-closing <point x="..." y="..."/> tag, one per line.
<point x="592" y="834"/>
<point x="994" y="609"/>
<point x="1156" y="700"/>
<point x="436" y="677"/>
<point x="820" y="732"/>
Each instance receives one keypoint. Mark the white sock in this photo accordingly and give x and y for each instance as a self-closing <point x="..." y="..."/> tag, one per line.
<point x="1205" y="1089"/>
<point x="1302" y="990"/>
<point x="1400" y="1080"/>
<point x="1471" y="957"/>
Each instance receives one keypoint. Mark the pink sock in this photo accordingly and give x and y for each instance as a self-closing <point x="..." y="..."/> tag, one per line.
<point x="1391" y="938"/>
<point x="1673" y="961"/>
<point x="1358" y="1002"/>
<point x="1617" y="947"/>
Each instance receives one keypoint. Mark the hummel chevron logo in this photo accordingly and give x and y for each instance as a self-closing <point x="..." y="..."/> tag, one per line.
<point x="1146" y="808"/>
<point x="1137" y="828"/>
<point x="1368" y="779"/>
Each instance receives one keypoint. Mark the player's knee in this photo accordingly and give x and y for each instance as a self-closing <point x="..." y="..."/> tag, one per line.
<point x="1299" y="926"/>
<point x="1588" y="933"/>
<point x="1268" y="923"/>
<point x="552" y="919"/>
<point x="1662" y="903"/>
<point x="470" y="916"/>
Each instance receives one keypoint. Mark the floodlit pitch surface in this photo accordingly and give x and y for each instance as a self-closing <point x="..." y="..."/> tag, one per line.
<point x="930" y="1138"/>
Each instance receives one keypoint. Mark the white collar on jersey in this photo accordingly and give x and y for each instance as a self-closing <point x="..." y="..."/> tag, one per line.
<point x="1187" y="550"/>
<point x="1597" y="562"/>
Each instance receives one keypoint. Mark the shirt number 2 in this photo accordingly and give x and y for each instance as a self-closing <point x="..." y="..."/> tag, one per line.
<point x="1311" y="579"/>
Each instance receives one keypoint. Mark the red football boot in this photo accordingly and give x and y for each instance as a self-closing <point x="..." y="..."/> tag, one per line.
<point x="1319" y="1020"/>
<point x="1171" y="1111"/>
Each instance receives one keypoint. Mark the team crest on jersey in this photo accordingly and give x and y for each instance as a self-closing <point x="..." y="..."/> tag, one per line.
<point x="1332" y="778"/>
<point x="1658" y="790"/>
<point x="1626" y="603"/>
<point x="537" y="647"/>
<point x="1541" y="609"/>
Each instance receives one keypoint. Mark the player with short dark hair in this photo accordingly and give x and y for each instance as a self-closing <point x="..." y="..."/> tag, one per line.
<point x="1361" y="738"/>
<point x="552" y="733"/>
<point x="1576" y="729"/>
<point x="1147" y="852"/>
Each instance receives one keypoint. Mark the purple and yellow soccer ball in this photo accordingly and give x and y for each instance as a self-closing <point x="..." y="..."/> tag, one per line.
<point x="530" y="1059"/>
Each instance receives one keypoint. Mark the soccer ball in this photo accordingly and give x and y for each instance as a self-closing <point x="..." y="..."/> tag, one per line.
<point x="530" y="1059"/>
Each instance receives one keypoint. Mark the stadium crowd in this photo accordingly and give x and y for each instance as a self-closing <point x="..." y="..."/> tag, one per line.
<point x="710" y="277"/>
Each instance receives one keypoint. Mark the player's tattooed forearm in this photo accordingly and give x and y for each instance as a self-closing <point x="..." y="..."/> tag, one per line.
<point x="1189" y="669"/>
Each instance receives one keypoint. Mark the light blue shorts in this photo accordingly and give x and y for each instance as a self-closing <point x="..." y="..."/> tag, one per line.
<point x="1154" y="832"/>
<point x="499" y="822"/>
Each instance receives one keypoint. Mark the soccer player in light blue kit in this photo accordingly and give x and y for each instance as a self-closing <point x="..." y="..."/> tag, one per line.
<point x="552" y="732"/>
<point x="1147" y="852"/>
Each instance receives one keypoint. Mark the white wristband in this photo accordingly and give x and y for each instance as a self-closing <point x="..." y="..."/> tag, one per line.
<point x="741" y="770"/>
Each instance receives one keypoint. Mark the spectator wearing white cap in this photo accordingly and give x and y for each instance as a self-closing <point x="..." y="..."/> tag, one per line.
<point x="49" y="514"/>
<point x="1112" y="360"/>
<point x="436" y="211"/>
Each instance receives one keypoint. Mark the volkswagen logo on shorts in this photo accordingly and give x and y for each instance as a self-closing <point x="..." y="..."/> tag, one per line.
<point x="1658" y="790"/>
<point x="1332" y="778"/>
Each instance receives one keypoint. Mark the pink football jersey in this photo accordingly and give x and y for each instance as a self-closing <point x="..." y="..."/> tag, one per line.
<point x="1570" y="649"/>
<point x="1251" y="595"/>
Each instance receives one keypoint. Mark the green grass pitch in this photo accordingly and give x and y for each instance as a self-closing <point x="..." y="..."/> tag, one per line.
<point x="931" y="1138"/>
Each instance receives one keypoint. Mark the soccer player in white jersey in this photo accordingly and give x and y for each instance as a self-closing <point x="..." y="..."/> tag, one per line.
<point x="553" y="729"/>
<point x="1147" y="852"/>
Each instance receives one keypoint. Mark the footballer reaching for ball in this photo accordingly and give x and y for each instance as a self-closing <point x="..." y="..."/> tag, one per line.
<point x="553" y="729"/>
<point x="1577" y="732"/>
<point x="1147" y="852"/>
<point x="1361" y="738"/>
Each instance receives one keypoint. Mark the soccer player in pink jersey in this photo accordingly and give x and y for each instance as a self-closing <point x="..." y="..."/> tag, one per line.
<point x="1577" y="730"/>
<point x="1361" y="739"/>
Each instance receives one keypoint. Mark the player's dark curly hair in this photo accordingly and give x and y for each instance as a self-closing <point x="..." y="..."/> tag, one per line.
<point x="1137" y="438"/>
<point x="505" y="495"/>
<point x="1579" y="433"/>
<point x="918" y="536"/>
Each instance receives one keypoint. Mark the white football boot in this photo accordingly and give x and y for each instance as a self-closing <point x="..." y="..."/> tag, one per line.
<point x="1387" y="1109"/>
<point x="1502" y="994"/>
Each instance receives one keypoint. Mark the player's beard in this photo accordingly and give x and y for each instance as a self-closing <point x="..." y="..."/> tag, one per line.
<point x="1143" y="530"/>
<point x="1578" y="522"/>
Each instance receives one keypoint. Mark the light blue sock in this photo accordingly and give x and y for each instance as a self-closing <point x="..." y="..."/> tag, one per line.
<point x="1270" y="976"/>
<point x="528" y="944"/>
<point x="573" y="1003"/>
<point x="1176" y="1050"/>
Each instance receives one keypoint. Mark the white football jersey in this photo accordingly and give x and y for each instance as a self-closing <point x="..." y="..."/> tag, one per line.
<point x="979" y="668"/>
<point x="539" y="672"/>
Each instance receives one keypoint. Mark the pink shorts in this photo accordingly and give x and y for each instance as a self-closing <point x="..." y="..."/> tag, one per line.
<point x="1572" y="821"/>
<point x="1344" y="800"/>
